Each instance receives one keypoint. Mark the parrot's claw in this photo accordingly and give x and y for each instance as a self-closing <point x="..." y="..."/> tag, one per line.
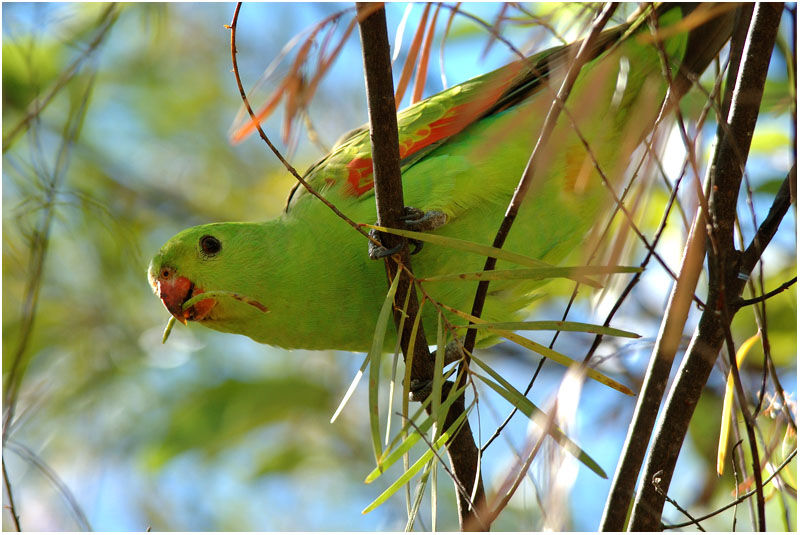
<point x="453" y="351"/>
<point x="376" y="252"/>
<point x="415" y="220"/>
<point x="419" y="390"/>
<point x="419" y="221"/>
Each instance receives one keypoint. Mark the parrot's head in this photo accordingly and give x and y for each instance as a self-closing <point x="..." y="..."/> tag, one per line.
<point x="214" y="260"/>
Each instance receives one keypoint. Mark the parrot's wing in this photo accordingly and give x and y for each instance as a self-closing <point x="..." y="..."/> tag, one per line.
<point x="345" y="173"/>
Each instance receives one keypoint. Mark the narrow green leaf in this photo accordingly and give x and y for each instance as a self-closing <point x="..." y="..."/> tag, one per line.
<point x="436" y="388"/>
<point x="375" y="353"/>
<point x="483" y="250"/>
<point x="545" y="351"/>
<point x="535" y="273"/>
<point x="168" y="329"/>
<point x="562" y="359"/>
<point x="395" y="359"/>
<point x="515" y="397"/>
<point x="572" y="326"/>
<point x="396" y="454"/>
<point x="423" y="481"/>
<point x="425" y="457"/>
<point x="351" y="388"/>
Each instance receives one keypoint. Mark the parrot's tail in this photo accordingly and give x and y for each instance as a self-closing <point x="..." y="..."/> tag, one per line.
<point x="709" y="27"/>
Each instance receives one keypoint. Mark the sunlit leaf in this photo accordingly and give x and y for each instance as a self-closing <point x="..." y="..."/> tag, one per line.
<point x="515" y="397"/>
<point x="351" y="388"/>
<point x="424" y="458"/>
<point x="375" y="353"/>
<point x="727" y="404"/>
<point x="533" y="273"/>
<point x="545" y="351"/>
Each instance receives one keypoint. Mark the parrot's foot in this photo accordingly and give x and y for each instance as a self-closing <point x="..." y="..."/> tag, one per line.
<point x="415" y="220"/>
<point x="419" y="221"/>
<point x="419" y="390"/>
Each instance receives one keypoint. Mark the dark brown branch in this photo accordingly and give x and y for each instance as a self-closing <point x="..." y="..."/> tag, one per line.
<point x="769" y="226"/>
<point x="464" y="455"/>
<point x="725" y="282"/>
<point x="761" y="298"/>
<point x="669" y="335"/>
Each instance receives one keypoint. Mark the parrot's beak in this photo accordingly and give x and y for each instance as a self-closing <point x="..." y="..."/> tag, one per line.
<point x="174" y="291"/>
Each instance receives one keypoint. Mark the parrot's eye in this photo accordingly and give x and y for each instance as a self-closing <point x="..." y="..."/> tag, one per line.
<point x="210" y="245"/>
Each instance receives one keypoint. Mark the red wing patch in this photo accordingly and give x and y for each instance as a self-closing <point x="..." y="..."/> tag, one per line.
<point x="359" y="170"/>
<point x="359" y="177"/>
<point x="454" y="120"/>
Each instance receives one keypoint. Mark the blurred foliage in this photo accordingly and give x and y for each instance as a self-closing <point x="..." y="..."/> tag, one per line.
<point x="214" y="431"/>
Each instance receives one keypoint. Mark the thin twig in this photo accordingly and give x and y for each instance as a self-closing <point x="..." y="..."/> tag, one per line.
<point x="657" y="485"/>
<point x="738" y="500"/>
<point x="527" y="177"/>
<point x="266" y="139"/>
<point x="11" y="508"/>
<point x="736" y="446"/>
<point x="107" y="18"/>
<point x="761" y="298"/>
<point x="769" y="226"/>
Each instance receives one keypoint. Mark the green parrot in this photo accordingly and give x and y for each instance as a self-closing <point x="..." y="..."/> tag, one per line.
<point x="305" y="279"/>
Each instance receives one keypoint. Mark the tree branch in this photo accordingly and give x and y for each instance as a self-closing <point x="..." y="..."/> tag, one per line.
<point x="769" y="226"/>
<point x="463" y="452"/>
<point x="655" y="380"/>
<point x="725" y="278"/>
<point x="761" y="298"/>
<point x="670" y="332"/>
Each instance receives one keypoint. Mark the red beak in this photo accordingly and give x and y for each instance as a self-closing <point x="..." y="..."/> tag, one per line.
<point x="175" y="291"/>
